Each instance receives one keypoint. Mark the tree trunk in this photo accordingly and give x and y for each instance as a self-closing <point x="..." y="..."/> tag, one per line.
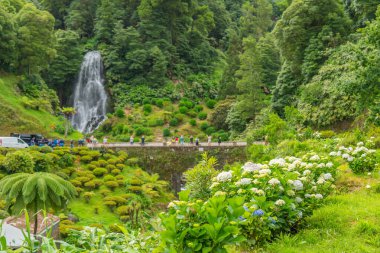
<point x="66" y="127"/>
<point x="35" y="224"/>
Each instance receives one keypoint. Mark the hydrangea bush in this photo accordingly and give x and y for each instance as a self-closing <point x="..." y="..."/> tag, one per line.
<point x="274" y="196"/>
<point x="361" y="159"/>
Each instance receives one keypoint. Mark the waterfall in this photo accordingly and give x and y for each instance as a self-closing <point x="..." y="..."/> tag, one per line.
<point x="90" y="98"/>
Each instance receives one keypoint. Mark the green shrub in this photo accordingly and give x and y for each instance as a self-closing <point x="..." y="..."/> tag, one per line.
<point x="186" y="103"/>
<point x="86" y="159"/>
<point x="326" y="134"/>
<point x="193" y="122"/>
<point x="166" y="132"/>
<point x="132" y="161"/>
<point x="211" y="103"/>
<point x="192" y="114"/>
<point x="183" y="109"/>
<point x="102" y="163"/>
<point x="147" y="108"/>
<point x="116" y="171"/>
<point x="159" y="103"/>
<point x="100" y="172"/>
<point x="204" y="126"/>
<point x="202" y="115"/>
<point x="111" y="184"/>
<point x="199" y="178"/>
<point x="119" y="112"/>
<point x="109" y="178"/>
<point x="173" y="122"/>
<point x="42" y="162"/>
<point x="198" y="108"/>
<point x="46" y="149"/>
<point x="210" y="130"/>
<point x="180" y="117"/>
<point x="19" y="161"/>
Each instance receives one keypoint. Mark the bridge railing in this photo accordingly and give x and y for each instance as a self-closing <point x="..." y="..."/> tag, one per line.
<point x="168" y="144"/>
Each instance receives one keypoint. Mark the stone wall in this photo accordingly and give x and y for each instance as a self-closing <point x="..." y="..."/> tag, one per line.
<point x="170" y="162"/>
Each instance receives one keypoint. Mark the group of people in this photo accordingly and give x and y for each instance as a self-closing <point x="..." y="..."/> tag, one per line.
<point x="177" y="140"/>
<point x="181" y="140"/>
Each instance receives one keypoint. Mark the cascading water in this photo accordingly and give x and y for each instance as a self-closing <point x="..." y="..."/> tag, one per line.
<point x="90" y="97"/>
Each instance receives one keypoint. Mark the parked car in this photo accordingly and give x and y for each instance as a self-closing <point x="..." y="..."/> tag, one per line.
<point x="12" y="142"/>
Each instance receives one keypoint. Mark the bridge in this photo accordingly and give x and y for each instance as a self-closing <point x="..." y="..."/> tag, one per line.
<point x="170" y="160"/>
<point x="120" y="146"/>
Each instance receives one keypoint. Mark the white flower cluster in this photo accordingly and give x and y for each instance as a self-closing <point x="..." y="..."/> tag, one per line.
<point x="277" y="162"/>
<point x="224" y="176"/>
<point x="251" y="167"/>
<point x="244" y="181"/>
<point x="350" y="153"/>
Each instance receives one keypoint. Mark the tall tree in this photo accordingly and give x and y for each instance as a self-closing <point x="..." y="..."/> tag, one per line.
<point x="63" y="69"/>
<point x="81" y="17"/>
<point x="256" y="19"/>
<point x="7" y="38"/>
<point x="35" y="39"/>
<point x="302" y="21"/>
<point x="35" y="192"/>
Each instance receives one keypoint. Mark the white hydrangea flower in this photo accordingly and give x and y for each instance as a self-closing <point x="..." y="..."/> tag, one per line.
<point x="321" y="165"/>
<point x="329" y="165"/>
<point x="224" y="176"/>
<point x="290" y="193"/>
<point x="297" y="185"/>
<point x="300" y="214"/>
<point x="321" y="181"/>
<point x="363" y="155"/>
<point x="327" y="176"/>
<point x="274" y="181"/>
<point x="368" y="186"/>
<point x="306" y="172"/>
<point x="299" y="200"/>
<point x="251" y="167"/>
<point x="307" y="195"/>
<point x="290" y="182"/>
<point x="345" y="156"/>
<point x="220" y="193"/>
<point x="339" y="153"/>
<point x="360" y="144"/>
<point x="350" y="159"/>
<point x="264" y="171"/>
<point x="291" y="167"/>
<point x="244" y="181"/>
<point x="279" y="202"/>
<point x="171" y="205"/>
<point x="333" y="153"/>
<point x="318" y="196"/>
<point x="314" y="158"/>
<point x="278" y="161"/>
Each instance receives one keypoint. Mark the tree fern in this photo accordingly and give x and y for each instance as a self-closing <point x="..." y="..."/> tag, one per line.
<point x="34" y="192"/>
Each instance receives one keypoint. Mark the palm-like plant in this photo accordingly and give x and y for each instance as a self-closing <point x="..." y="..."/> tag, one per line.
<point x="35" y="192"/>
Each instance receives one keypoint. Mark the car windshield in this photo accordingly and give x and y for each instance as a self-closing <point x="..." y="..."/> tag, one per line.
<point x="20" y="141"/>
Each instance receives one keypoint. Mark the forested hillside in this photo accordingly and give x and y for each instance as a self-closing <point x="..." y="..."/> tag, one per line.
<point x="315" y="63"/>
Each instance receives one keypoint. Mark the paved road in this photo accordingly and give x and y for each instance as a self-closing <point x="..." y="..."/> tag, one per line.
<point x="160" y="144"/>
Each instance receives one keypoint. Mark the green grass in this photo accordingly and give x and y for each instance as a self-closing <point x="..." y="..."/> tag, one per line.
<point x="347" y="223"/>
<point x="86" y="212"/>
<point x="14" y="117"/>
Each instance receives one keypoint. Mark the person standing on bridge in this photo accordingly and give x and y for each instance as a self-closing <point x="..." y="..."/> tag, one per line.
<point x="182" y="140"/>
<point x="191" y="140"/>
<point x="219" y="140"/>
<point x="209" y="140"/>
<point x="143" y="140"/>
<point x="105" y="140"/>
<point x="197" y="141"/>
<point x="131" y="140"/>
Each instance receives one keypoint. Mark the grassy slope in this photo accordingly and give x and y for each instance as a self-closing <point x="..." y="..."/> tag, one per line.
<point x="14" y="117"/>
<point x="349" y="222"/>
<point x="183" y="128"/>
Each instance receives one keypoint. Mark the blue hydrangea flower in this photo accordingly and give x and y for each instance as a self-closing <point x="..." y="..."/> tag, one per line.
<point x="242" y="218"/>
<point x="246" y="208"/>
<point x="258" y="212"/>
<point x="273" y="221"/>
